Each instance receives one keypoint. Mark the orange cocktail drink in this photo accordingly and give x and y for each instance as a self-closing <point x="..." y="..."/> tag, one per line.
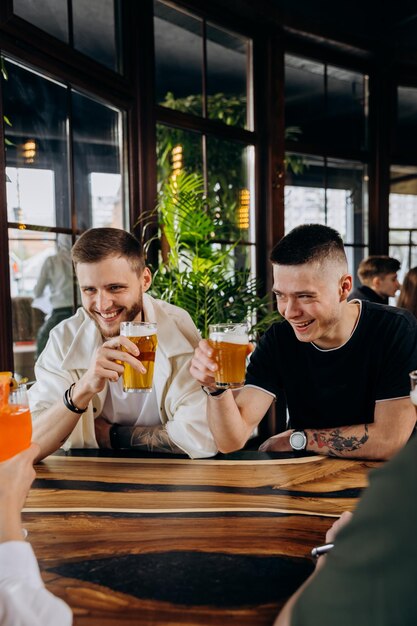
<point x="15" y="419"/>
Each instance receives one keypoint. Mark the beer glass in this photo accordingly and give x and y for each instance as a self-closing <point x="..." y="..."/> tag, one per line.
<point x="230" y="343"/>
<point x="143" y="335"/>
<point x="15" y="419"/>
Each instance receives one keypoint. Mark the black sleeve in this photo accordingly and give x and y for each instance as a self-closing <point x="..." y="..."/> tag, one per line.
<point x="400" y="359"/>
<point x="263" y="369"/>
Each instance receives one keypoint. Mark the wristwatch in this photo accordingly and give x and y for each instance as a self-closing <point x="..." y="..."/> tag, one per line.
<point x="298" y="440"/>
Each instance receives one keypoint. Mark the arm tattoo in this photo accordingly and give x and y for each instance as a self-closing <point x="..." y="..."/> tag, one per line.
<point x="149" y="438"/>
<point x="337" y="442"/>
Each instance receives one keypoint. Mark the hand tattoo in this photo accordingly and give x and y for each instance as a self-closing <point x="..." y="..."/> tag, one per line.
<point x="337" y="442"/>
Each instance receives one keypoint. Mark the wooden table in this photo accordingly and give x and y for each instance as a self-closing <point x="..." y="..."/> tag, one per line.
<point x="173" y="541"/>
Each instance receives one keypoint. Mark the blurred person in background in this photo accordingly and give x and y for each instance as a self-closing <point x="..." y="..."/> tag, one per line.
<point x="408" y="294"/>
<point x="56" y="274"/>
<point x="378" y="275"/>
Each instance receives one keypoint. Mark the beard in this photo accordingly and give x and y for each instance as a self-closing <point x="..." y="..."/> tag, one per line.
<point x="128" y="316"/>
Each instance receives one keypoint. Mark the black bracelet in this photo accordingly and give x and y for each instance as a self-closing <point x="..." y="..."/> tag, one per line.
<point x="218" y="392"/>
<point x="114" y="437"/>
<point x="69" y="403"/>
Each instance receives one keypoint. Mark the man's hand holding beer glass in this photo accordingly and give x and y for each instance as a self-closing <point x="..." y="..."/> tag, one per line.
<point x="138" y="341"/>
<point x="232" y="417"/>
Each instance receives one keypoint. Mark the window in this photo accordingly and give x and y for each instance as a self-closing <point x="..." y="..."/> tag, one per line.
<point x="403" y="179"/>
<point x="325" y="117"/>
<point x="403" y="216"/>
<point x="48" y="121"/>
<point x="205" y="77"/>
<point x="90" y="26"/>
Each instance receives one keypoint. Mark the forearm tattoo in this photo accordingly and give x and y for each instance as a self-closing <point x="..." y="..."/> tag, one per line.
<point x="338" y="443"/>
<point x="150" y="438"/>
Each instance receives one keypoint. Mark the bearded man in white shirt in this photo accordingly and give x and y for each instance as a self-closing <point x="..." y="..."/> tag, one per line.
<point x="78" y="399"/>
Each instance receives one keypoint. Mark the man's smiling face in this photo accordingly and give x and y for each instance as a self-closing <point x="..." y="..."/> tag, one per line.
<point x="310" y="298"/>
<point x="111" y="292"/>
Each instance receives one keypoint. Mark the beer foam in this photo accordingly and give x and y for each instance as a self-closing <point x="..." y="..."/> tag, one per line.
<point x="138" y="331"/>
<point x="413" y="396"/>
<point x="241" y="340"/>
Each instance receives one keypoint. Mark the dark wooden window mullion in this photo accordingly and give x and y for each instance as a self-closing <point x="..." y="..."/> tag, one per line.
<point x="71" y="182"/>
<point x="326" y="141"/>
<point x="6" y="337"/>
<point x="204" y="102"/>
<point x="70" y="24"/>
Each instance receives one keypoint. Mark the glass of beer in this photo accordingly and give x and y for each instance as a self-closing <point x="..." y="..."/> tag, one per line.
<point x="15" y="419"/>
<point x="143" y="335"/>
<point x="230" y="343"/>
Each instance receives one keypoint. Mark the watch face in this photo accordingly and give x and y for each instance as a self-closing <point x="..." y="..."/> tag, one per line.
<point x="298" y="440"/>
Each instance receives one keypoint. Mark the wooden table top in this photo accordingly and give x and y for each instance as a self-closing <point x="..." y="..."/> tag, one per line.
<point x="168" y="541"/>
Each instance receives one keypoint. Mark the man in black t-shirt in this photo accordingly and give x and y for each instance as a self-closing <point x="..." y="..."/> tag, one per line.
<point x="379" y="279"/>
<point x="343" y="365"/>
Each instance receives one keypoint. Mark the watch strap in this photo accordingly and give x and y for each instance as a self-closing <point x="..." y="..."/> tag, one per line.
<point x="114" y="437"/>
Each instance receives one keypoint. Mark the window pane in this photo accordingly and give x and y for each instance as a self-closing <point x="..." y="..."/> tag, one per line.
<point x="403" y="216"/>
<point x="345" y="108"/>
<point x="95" y="26"/>
<point x="49" y="15"/>
<point x="304" y="98"/>
<point x="227" y="63"/>
<point x="177" y="151"/>
<point x="406" y="121"/>
<point x="41" y="282"/>
<point x="36" y="154"/>
<point x="178" y="59"/>
<point x="230" y="176"/>
<point x="97" y="163"/>
<point x="331" y="192"/>
<point x="326" y="105"/>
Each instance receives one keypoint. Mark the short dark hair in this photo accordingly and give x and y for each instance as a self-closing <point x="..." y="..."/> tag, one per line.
<point x="97" y="244"/>
<point x="307" y="243"/>
<point x="377" y="266"/>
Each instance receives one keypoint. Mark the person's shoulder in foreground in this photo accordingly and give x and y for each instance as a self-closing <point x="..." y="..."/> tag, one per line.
<point x="24" y="600"/>
<point x="369" y="577"/>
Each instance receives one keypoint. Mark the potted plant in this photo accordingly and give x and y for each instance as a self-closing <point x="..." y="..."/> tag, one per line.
<point x="196" y="273"/>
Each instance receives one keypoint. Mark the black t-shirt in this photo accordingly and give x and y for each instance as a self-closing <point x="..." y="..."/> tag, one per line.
<point x="339" y="387"/>
<point x="366" y="293"/>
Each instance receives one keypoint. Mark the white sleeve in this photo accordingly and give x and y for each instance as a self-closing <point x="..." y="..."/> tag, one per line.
<point x="24" y="601"/>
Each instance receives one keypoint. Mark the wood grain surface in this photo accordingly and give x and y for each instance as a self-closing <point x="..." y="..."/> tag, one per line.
<point x="175" y="541"/>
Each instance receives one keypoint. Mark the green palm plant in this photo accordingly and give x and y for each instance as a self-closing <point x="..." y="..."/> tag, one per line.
<point x="198" y="274"/>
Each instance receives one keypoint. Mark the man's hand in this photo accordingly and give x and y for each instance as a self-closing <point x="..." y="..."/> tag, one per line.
<point x="102" y="428"/>
<point x="16" y="477"/>
<point x="106" y="365"/>
<point x="203" y="365"/>
<point x="339" y="523"/>
<point x="277" y="443"/>
<point x="108" y="360"/>
<point x="332" y="533"/>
